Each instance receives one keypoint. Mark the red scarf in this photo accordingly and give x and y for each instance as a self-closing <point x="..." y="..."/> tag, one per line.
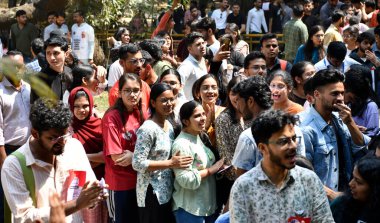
<point x="89" y="130"/>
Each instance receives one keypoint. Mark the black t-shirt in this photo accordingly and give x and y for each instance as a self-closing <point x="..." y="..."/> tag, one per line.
<point x="238" y="20"/>
<point x="310" y="21"/>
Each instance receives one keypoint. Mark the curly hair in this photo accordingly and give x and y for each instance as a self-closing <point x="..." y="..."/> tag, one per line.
<point x="270" y="122"/>
<point x="257" y="88"/>
<point x="48" y="114"/>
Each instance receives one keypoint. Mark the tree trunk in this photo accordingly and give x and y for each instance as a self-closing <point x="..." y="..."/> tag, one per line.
<point x="36" y="11"/>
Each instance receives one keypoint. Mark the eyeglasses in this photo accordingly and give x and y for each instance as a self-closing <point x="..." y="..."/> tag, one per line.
<point x="258" y="67"/>
<point x="278" y="86"/>
<point x="172" y="84"/>
<point x="128" y="91"/>
<point x="64" y="137"/>
<point x="286" y="140"/>
<point x="137" y="61"/>
<point x="167" y="100"/>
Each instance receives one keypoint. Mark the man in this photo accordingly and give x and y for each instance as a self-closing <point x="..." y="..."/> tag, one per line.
<point x="208" y="29"/>
<point x="332" y="33"/>
<point x="376" y="46"/>
<point x="22" y="34"/>
<point x="254" y="64"/>
<point x="14" y="109"/>
<point x="295" y="33"/>
<point x="58" y="24"/>
<point x="309" y="19"/>
<point x="51" y="17"/>
<point x="55" y="159"/>
<point x="53" y="81"/>
<point x="236" y="17"/>
<point x="331" y="139"/>
<point x="335" y="58"/>
<point x="328" y="8"/>
<point x="220" y="17"/>
<point x="82" y="39"/>
<point x="277" y="190"/>
<point x="36" y="48"/>
<point x="256" y="19"/>
<point x="130" y="61"/>
<point x="194" y="66"/>
<point x="270" y="49"/>
<point x="363" y="54"/>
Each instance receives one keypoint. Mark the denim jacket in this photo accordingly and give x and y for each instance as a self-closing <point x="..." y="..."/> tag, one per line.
<point x="322" y="147"/>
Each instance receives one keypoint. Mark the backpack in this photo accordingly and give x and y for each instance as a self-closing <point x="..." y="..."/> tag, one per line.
<point x="283" y="64"/>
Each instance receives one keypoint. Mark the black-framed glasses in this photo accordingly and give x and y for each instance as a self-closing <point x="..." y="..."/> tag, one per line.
<point x="286" y="140"/>
<point x="129" y="91"/>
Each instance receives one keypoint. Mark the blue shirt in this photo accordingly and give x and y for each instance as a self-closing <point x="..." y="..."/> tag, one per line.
<point x="300" y="56"/>
<point x="322" y="146"/>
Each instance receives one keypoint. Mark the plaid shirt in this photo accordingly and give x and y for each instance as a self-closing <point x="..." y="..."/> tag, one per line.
<point x="33" y="66"/>
<point x="295" y="34"/>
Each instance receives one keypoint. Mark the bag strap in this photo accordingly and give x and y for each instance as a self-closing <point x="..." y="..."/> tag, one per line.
<point x="29" y="181"/>
<point x="283" y="64"/>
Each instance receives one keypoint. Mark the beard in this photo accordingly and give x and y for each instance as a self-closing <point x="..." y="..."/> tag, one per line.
<point x="282" y="161"/>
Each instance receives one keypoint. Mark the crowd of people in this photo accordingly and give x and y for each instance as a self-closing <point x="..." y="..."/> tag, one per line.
<point x="212" y="131"/>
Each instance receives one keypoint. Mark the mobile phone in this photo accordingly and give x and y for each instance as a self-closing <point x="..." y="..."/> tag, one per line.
<point x="227" y="44"/>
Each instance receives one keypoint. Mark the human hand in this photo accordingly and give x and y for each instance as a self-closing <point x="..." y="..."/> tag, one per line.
<point x="125" y="159"/>
<point x="57" y="209"/>
<point x="371" y="56"/>
<point x="362" y="128"/>
<point x="181" y="162"/>
<point x="331" y="195"/>
<point x="214" y="168"/>
<point x="344" y="112"/>
<point x="210" y="115"/>
<point x="101" y="74"/>
<point x="221" y="55"/>
<point x="90" y="61"/>
<point x="90" y="195"/>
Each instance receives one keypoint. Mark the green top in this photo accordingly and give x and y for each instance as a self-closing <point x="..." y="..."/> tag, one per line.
<point x="161" y="66"/>
<point x="22" y="38"/>
<point x="191" y="193"/>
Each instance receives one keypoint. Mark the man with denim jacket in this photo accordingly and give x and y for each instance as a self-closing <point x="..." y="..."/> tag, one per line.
<point x="332" y="139"/>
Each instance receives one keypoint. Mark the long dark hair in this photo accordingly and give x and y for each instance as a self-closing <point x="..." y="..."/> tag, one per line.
<point x="309" y="45"/>
<point x="196" y="90"/>
<point x="119" y="105"/>
<point x="230" y="108"/>
<point x="369" y="170"/>
<point x="155" y="92"/>
<point x="81" y="71"/>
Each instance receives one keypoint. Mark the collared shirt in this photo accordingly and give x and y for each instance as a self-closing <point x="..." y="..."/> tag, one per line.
<point x="14" y="113"/>
<point x="153" y="143"/>
<point x="331" y="34"/>
<point x="325" y="64"/>
<point x="295" y="34"/>
<point x="47" y="178"/>
<point x="22" y="38"/>
<point x="220" y="18"/>
<point x="254" y="198"/>
<point x="322" y="146"/>
<point x="33" y="65"/>
<point x="247" y="155"/>
<point x="190" y="71"/>
<point x="50" y="28"/>
<point x="83" y="41"/>
<point x="255" y="20"/>
<point x="326" y="10"/>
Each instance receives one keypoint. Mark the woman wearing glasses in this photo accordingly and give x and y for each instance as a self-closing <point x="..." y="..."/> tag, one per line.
<point x="151" y="159"/>
<point x="312" y="50"/>
<point x="206" y="91"/>
<point x="87" y="128"/>
<point x="350" y="34"/>
<point x="119" y="126"/>
<point x="281" y="84"/>
<point x="194" y="196"/>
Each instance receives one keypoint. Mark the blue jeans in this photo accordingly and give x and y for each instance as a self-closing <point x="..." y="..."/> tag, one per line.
<point x="182" y="216"/>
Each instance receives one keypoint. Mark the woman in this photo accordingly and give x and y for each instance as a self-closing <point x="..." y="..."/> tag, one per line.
<point x="121" y="37"/>
<point x="194" y="197"/>
<point x="238" y="43"/>
<point x="350" y="34"/>
<point x="300" y="72"/>
<point x="206" y="91"/>
<point x="281" y="84"/>
<point x="358" y="94"/>
<point x="87" y="129"/>
<point x="228" y="126"/>
<point x="119" y="125"/>
<point x="167" y="48"/>
<point x="361" y="203"/>
<point x="166" y="21"/>
<point x="151" y="159"/>
<point x="173" y="79"/>
<point x="312" y="50"/>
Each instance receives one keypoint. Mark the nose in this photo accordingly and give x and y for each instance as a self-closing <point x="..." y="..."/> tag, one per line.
<point x="351" y="183"/>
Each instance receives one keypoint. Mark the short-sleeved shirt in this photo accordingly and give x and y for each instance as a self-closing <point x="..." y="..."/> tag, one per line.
<point x="117" y="138"/>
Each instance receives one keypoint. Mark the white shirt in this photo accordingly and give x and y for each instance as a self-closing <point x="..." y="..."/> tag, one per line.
<point x="114" y="73"/>
<point x="14" y="113"/>
<point x="82" y="41"/>
<point x="220" y="18"/>
<point x="1" y="49"/>
<point x="255" y="20"/>
<point x="215" y="47"/>
<point x="53" y="27"/>
<point x="190" y="71"/>
<point x="324" y="64"/>
<point x="47" y="178"/>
